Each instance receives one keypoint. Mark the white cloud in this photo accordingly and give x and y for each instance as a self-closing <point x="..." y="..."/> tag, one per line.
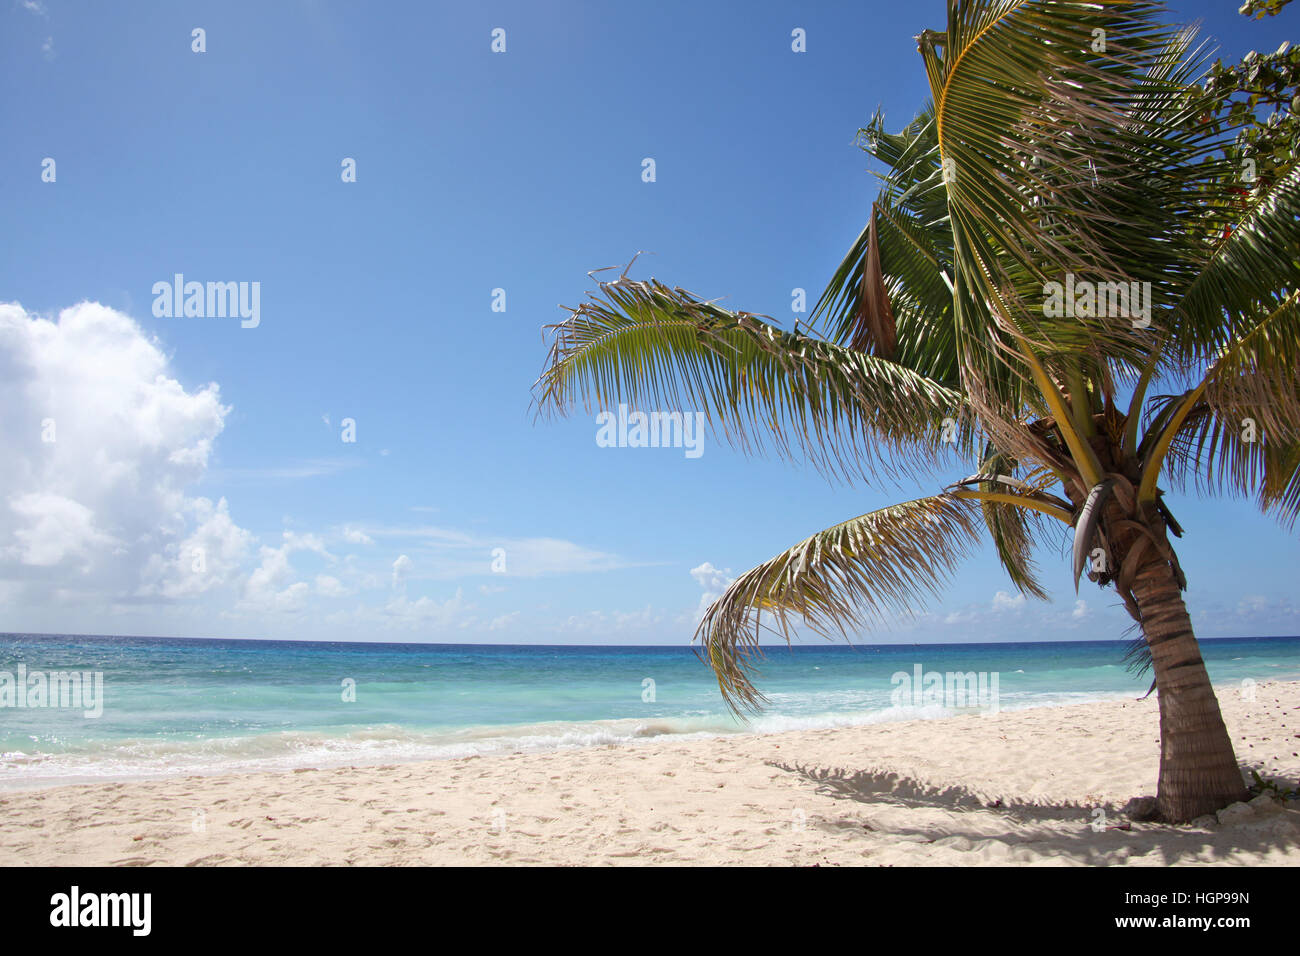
<point x="329" y="586"/>
<point x="271" y="587"/>
<point x="101" y="442"/>
<point x="210" y="557"/>
<point x="1080" y="610"/>
<point x="448" y="553"/>
<point x="1002" y="601"/>
<point x="534" y="557"/>
<point x="310" y="468"/>
<point x="711" y="578"/>
<point x="605" y="626"/>
<point x="1252" y="604"/>
<point x="401" y="568"/>
<point x="714" y="581"/>
<point x="356" y="536"/>
<point x="57" y="529"/>
<point x="426" y="612"/>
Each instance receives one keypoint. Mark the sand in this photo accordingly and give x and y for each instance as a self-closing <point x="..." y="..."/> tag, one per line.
<point x="1016" y="788"/>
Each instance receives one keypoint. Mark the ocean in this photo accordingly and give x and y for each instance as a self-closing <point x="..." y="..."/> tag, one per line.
<point x="171" y="706"/>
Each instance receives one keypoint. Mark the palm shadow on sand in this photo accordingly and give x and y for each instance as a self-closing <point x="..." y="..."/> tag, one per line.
<point x="1061" y="831"/>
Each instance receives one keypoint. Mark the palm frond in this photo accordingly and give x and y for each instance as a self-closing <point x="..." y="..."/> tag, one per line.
<point x="1014" y="530"/>
<point x="1214" y="454"/>
<point x="1253" y="379"/>
<point x="860" y="572"/>
<point x="908" y="223"/>
<point x="1246" y="271"/>
<point x="759" y="387"/>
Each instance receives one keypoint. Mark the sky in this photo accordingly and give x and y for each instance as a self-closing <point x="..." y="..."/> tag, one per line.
<point x="358" y="459"/>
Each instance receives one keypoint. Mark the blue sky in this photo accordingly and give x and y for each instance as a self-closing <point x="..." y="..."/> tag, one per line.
<point x="475" y="171"/>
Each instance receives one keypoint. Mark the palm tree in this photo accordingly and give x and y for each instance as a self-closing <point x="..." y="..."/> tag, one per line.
<point x="1060" y="232"/>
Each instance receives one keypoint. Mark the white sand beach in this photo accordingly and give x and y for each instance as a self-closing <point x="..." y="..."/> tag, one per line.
<point x="1017" y="788"/>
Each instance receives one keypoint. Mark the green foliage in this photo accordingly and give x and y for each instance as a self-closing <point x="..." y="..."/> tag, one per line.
<point x="1272" y="788"/>
<point x="1260" y="96"/>
<point x="1258" y="9"/>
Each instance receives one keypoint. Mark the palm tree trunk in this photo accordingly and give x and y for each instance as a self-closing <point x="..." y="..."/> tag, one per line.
<point x="1198" y="769"/>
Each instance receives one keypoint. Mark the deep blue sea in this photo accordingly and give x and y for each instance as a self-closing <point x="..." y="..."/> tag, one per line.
<point x="179" y="706"/>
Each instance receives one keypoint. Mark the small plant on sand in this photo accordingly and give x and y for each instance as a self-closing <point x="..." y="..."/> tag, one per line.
<point x="1272" y="788"/>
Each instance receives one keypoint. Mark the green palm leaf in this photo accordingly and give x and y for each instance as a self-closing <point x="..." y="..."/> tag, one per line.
<point x="864" y="571"/>
<point x="759" y="387"/>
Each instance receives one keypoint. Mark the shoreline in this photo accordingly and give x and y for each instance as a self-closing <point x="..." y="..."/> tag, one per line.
<point x="1020" y="787"/>
<point x="511" y="732"/>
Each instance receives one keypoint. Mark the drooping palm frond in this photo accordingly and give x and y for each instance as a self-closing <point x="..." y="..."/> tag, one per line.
<point x="915" y="279"/>
<point x="1137" y="653"/>
<point x="876" y="330"/>
<point x="1238" y="430"/>
<point x="913" y="247"/>
<point x="759" y="386"/>
<point x="1259" y="374"/>
<point x="1216" y="455"/>
<point x="866" y="570"/>
<point x="1253" y="379"/>
<point x="1015" y="531"/>
<point x="1280" y="494"/>
<point x="1088" y="523"/>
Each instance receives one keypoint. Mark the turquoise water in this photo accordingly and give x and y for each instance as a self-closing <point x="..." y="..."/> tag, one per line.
<point x="174" y="706"/>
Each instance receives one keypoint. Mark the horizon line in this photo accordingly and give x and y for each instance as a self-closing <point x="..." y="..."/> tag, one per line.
<point x="685" y="646"/>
